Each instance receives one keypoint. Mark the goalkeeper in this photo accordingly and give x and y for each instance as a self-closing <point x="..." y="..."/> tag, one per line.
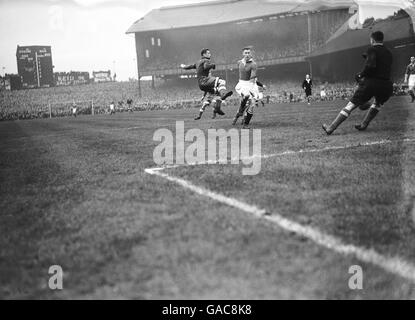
<point x="373" y="81"/>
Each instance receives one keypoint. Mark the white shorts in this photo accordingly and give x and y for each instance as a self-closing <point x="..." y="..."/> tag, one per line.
<point x="260" y="96"/>
<point x="323" y="94"/>
<point x="247" y="88"/>
<point x="411" y="81"/>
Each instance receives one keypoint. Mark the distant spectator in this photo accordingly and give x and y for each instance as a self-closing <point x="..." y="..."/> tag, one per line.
<point x="112" y="108"/>
<point x="74" y="109"/>
<point x="129" y="105"/>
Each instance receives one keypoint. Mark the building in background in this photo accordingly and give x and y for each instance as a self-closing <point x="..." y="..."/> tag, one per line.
<point x="34" y="66"/>
<point x="10" y="82"/>
<point x="102" y="76"/>
<point x="71" y="78"/>
<point x="290" y="38"/>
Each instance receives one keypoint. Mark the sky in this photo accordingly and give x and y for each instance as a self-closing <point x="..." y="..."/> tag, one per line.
<point x="85" y="35"/>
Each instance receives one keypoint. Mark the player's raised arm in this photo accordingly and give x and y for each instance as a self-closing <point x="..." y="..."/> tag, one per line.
<point x="188" y="66"/>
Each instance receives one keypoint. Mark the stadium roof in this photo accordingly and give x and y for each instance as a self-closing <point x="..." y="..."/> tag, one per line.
<point x="215" y="12"/>
<point x="393" y="29"/>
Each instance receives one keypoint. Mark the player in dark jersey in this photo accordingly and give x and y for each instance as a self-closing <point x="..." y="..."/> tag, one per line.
<point x="373" y="81"/>
<point x="410" y="78"/>
<point x="246" y="87"/>
<point x="307" y="87"/>
<point x="209" y="84"/>
<point x="129" y="105"/>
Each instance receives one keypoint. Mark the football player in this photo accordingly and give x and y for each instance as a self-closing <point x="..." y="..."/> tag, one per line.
<point x="373" y="81"/>
<point x="307" y="86"/>
<point x="246" y="87"/>
<point x="410" y="78"/>
<point x="112" y="108"/>
<point x="210" y="85"/>
<point x="74" y="109"/>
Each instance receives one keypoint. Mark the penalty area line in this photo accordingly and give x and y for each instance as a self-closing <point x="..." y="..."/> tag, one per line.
<point x="393" y="265"/>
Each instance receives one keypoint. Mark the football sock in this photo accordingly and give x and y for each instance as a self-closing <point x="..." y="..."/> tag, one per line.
<point x="199" y="116"/>
<point x="339" y="119"/>
<point x="217" y="108"/>
<point x="248" y="118"/>
<point x="243" y="106"/>
<point x="411" y="92"/>
<point x="370" y="115"/>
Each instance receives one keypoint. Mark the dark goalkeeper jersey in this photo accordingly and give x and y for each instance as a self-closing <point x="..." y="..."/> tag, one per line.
<point x="378" y="63"/>
<point x="203" y="67"/>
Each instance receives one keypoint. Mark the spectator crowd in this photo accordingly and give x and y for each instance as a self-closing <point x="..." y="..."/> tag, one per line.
<point x="97" y="98"/>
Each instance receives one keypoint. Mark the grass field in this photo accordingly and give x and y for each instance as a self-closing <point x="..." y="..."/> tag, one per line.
<point x="74" y="192"/>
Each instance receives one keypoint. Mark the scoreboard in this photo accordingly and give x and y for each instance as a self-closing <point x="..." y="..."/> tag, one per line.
<point x="34" y="65"/>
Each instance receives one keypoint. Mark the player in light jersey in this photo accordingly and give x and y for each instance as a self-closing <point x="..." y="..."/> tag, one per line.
<point x="112" y="108"/>
<point x="246" y="87"/>
<point x="410" y="78"/>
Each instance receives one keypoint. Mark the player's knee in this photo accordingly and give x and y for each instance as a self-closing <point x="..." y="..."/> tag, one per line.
<point x="221" y="85"/>
<point x="376" y="105"/>
<point x="221" y="82"/>
<point x="346" y="111"/>
<point x="350" y="107"/>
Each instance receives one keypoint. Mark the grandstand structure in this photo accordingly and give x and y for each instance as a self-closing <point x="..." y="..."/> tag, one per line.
<point x="290" y="38"/>
<point x="341" y="56"/>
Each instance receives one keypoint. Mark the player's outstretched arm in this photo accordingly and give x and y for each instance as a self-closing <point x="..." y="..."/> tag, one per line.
<point x="188" y="66"/>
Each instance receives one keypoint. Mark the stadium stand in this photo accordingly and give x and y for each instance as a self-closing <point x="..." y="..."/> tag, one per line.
<point x="275" y="30"/>
<point x="288" y="39"/>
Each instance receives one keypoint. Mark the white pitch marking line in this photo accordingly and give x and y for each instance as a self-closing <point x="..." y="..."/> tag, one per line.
<point x="394" y="265"/>
<point x="291" y="152"/>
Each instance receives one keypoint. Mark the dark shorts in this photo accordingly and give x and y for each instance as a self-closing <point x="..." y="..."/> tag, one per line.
<point x="308" y="92"/>
<point x="368" y="88"/>
<point x="207" y="84"/>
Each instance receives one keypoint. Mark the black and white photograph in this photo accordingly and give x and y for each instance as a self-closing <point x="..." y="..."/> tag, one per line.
<point x="207" y="150"/>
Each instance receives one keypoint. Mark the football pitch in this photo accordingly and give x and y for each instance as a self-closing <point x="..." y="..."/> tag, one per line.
<point x="85" y="194"/>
